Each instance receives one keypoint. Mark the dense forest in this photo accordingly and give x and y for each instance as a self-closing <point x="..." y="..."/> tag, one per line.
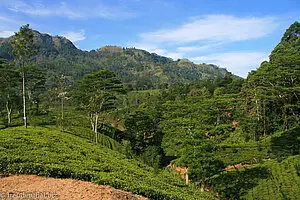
<point x="127" y="118"/>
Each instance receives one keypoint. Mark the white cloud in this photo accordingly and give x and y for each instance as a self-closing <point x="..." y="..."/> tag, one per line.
<point x="73" y="11"/>
<point x="42" y="10"/>
<point x="111" y="12"/>
<point x="189" y="48"/>
<point x="211" y="36"/>
<point x="5" y="34"/>
<point x="239" y="63"/>
<point x="200" y="48"/>
<point x="75" y="36"/>
<point x="214" y="28"/>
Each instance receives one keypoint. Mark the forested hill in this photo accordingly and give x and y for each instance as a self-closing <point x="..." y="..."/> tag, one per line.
<point x="137" y="68"/>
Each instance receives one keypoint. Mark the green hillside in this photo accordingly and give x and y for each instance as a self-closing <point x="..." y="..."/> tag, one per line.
<point x="51" y="153"/>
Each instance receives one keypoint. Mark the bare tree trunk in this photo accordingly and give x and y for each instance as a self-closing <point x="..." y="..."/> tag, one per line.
<point x="92" y="122"/>
<point x="96" y="127"/>
<point x="24" y="98"/>
<point x="9" y="109"/>
<point x="186" y="177"/>
<point x="202" y="187"/>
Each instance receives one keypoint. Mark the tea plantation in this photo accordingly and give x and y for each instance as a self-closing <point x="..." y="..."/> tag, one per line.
<point x="51" y="153"/>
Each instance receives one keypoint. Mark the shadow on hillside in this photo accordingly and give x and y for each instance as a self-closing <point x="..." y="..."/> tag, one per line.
<point x="234" y="184"/>
<point x="288" y="143"/>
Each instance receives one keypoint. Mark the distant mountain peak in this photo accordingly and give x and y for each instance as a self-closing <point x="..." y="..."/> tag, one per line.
<point x="47" y="43"/>
<point x="111" y="49"/>
<point x="184" y="62"/>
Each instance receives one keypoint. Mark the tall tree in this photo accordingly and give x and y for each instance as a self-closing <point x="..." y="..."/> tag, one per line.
<point x="273" y="91"/>
<point x="23" y="50"/>
<point x="96" y="93"/>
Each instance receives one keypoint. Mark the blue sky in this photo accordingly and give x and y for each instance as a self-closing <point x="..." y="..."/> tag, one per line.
<point x="234" y="34"/>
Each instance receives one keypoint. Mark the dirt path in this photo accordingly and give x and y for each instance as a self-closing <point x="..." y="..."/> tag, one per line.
<point x="36" y="187"/>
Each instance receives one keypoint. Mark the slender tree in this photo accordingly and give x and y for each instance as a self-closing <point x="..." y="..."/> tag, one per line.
<point x="63" y="94"/>
<point x="97" y="93"/>
<point x="23" y="51"/>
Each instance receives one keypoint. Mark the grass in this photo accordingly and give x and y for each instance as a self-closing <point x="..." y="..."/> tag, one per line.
<point x="51" y="153"/>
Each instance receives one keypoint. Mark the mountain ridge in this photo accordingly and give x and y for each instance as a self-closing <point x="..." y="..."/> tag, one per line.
<point x="136" y="67"/>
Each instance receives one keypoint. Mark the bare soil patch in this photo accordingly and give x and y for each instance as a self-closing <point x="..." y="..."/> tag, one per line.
<point x="36" y="187"/>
